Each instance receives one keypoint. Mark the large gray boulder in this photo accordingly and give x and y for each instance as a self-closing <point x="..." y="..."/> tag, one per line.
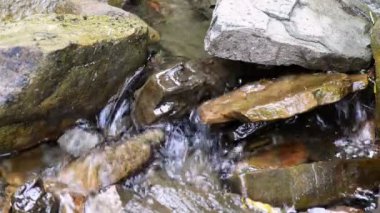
<point x="316" y="34"/>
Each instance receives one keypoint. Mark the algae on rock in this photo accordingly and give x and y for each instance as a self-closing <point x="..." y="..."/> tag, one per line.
<point x="56" y="68"/>
<point x="281" y="98"/>
<point x="375" y="44"/>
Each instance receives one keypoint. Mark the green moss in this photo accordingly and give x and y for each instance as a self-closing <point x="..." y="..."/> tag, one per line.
<point x="375" y="45"/>
<point x="116" y="3"/>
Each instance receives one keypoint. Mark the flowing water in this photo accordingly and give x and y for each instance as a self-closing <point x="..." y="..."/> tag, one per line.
<point x="190" y="170"/>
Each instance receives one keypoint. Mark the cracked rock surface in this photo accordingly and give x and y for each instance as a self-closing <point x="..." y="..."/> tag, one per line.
<point x="316" y="34"/>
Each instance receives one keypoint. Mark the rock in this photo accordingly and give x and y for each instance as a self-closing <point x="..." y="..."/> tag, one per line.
<point x="274" y="157"/>
<point x="16" y="170"/>
<point x="103" y="167"/>
<point x="78" y="141"/>
<point x="52" y="68"/>
<point x="16" y="10"/>
<point x="175" y="91"/>
<point x="310" y="185"/>
<point x="165" y="194"/>
<point x="32" y="197"/>
<point x="364" y="6"/>
<point x="281" y="98"/>
<point x="375" y="45"/>
<point x="168" y="17"/>
<point x="117" y="3"/>
<point x="205" y="7"/>
<point x="108" y="201"/>
<point x="318" y="34"/>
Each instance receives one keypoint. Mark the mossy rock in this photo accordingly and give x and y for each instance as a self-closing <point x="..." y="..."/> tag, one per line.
<point x="268" y="100"/>
<point x="375" y="45"/>
<point x="56" y="68"/>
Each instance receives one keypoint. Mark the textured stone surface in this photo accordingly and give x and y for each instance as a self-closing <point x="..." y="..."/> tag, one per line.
<point x="281" y="98"/>
<point x="317" y="34"/>
<point x="53" y="66"/>
<point x="309" y="185"/>
<point x="18" y="9"/>
<point x="365" y="6"/>
<point x="174" y="91"/>
<point x="106" y="166"/>
<point x="376" y="54"/>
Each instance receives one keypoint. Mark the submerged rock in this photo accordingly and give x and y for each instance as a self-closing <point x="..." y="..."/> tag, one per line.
<point x="317" y="34"/>
<point x="284" y="155"/>
<point x="205" y="7"/>
<point x="103" y="167"/>
<point x="56" y="69"/>
<point x="310" y="185"/>
<point x="281" y="98"/>
<point x="175" y="91"/>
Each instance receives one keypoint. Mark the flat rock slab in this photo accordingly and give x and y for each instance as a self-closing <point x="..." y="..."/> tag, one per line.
<point x="55" y="69"/>
<point x="281" y="98"/>
<point x="310" y="185"/>
<point x="316" y="34"/>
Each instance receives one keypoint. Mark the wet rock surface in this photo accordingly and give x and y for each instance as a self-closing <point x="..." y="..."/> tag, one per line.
<point x="325" y="158"/>
<point x="32" y="197"/>
<point x="310" y="184"/>
<point x="105" y="166"/>
<point x="280" y="98"/>
<point x="317" y="34"/>
<point x="375" y="45"/>
<point x="16" y="10"/>
<point x="45" y="67"/>
<point x="174" y="91"/>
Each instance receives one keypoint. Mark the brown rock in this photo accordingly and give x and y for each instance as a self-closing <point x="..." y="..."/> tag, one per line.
<point x="281" y="98"/>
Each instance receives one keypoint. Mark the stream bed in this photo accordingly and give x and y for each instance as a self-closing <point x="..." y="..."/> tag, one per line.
<point x="199" y="167"/>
